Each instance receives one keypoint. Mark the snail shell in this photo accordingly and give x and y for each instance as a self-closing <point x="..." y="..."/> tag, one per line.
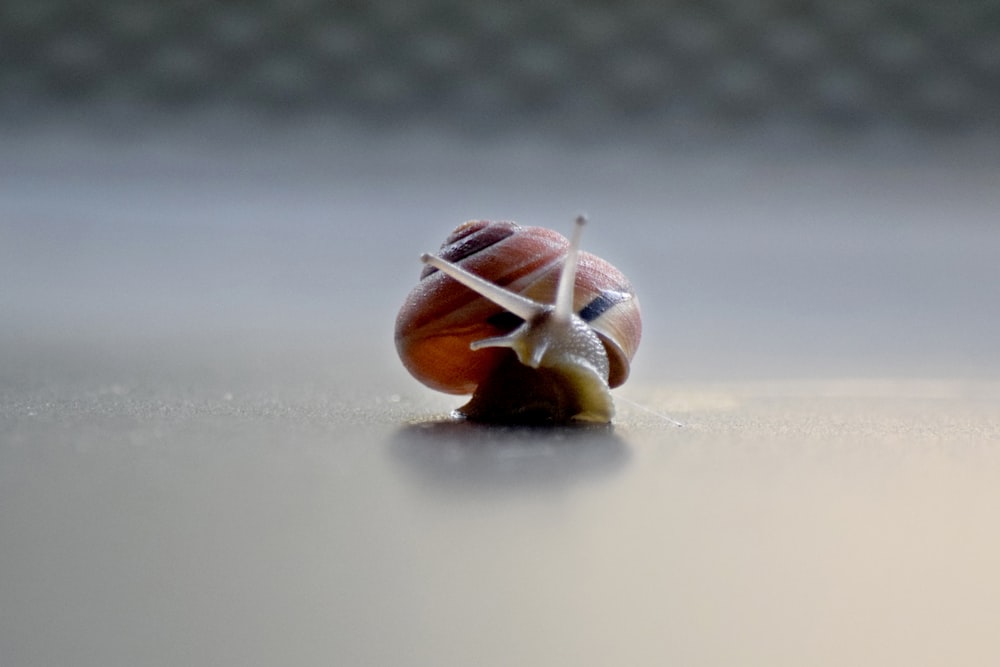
<point x="455" y="339"/>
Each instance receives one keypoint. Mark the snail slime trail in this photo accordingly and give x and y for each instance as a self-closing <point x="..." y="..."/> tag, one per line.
<point x="535" y="329"/>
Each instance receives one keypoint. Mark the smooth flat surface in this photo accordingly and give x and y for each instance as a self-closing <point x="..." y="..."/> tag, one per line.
<point x="209" y="454"/>
<point x="167" y="520"/>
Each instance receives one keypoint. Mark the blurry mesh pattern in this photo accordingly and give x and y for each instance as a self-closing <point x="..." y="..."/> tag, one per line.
<point x="841" y="62"/>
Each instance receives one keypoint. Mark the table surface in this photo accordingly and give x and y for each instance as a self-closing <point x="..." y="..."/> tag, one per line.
<point x="209" y="453"/>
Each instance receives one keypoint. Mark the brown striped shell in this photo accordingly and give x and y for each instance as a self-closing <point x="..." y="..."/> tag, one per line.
<point x="441" y="318"/>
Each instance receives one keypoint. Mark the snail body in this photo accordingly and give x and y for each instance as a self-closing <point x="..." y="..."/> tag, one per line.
<point x="519" y="317"/>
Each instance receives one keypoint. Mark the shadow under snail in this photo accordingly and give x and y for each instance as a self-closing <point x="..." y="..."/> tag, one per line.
<point x="535" y="329"/>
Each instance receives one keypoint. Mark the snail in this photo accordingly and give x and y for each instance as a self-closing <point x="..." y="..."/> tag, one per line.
<point x="535" y="329"/>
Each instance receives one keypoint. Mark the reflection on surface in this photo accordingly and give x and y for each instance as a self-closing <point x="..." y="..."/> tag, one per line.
<point x="475" y="458"/>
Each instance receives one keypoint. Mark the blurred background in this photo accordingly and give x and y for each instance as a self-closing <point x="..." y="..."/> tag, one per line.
<point x="577" y="69"/>
<point x="796" y="188"/>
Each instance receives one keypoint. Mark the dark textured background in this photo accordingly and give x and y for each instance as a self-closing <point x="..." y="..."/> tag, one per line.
<point x="586" y="67"/>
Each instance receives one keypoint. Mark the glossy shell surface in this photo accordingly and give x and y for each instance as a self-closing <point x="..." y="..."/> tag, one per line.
<point x="440" y="318"/>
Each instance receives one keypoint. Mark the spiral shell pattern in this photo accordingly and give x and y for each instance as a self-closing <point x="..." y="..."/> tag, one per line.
<point x="440" y="318"/>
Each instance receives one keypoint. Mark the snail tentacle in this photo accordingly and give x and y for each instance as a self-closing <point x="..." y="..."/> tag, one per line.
<point x="567" y="277"/>
<point x="521" y="318"/>
<point x="521" y="306"/>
